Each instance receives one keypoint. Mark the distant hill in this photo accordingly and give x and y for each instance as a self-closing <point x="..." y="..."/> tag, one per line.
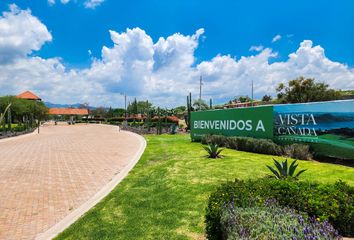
<point x="57" y="105"/>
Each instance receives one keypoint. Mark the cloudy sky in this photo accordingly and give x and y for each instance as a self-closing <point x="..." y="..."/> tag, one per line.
<point x="72" y="51"/>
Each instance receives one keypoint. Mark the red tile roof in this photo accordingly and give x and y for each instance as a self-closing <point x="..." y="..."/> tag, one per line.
<point x="68" y="111"/>
<point x="28" y="95"/>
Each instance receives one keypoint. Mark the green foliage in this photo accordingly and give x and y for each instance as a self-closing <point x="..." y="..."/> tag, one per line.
<point x="136" y="107"/>
<point x="22" y="110"/>
<point x="334" y="202"/>
<point x="241" y="99"/>
<point x="179" y="110"/>
<point x="200" y="104"/>
<point x="267" y="98"/>
<point x="213" y="150"/>
<point x="3" y="114"/>
<point x="187" y="117"/>
<point x="298" y="151"/>
<point x="271" y="222"/>
<point x="173" y="177"/>
<point x="283" y="170"/>
<point x="264" y="146"/>
<point x="346" y="94"/>
<point x="247" y="144"/>
<point x="303" y="90"/>
<point x="136" y="124"/>
<point x="115" y="112"/>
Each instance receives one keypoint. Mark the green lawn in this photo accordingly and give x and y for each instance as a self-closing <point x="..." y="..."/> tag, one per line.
<point x="165" y="195"/>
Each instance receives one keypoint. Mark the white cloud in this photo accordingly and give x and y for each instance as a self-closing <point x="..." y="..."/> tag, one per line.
<point x="93" y="3"/>
<point x="52" y="2"/>
<point x="163" y="71"/>
<point x="276" y="38"/>
<point x="256" y="48"/>
<point x="20" y="34"/>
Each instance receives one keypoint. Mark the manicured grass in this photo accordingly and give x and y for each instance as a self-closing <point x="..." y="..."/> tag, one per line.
<point x="165" y="195"/>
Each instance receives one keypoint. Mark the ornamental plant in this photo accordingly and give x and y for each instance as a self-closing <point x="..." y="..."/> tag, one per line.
<point x="283" y="170"/>
<point x="213" y="150"/>
<point x="272" y="222"/>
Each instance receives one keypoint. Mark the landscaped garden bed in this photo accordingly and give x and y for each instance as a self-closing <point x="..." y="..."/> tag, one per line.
<point x="166" y="194"/>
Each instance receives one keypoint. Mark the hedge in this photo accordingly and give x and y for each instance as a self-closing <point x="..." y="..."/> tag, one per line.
<point x="332" y="202"/>
<point x="256" y="145"/>
<point x="264" y="146"/>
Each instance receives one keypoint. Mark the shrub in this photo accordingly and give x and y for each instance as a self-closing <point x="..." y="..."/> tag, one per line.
<point x="256" y="145"/>
<point x="298" y="151"/>
<point x="20" y="128"/>
<point x="334" y="202"/>
<point x="215" y="139"/>
<point x="213" y="151"/>
<point x="284" y="171"/>
<point x="247" y="144"/>
<point x="276" y="223"/>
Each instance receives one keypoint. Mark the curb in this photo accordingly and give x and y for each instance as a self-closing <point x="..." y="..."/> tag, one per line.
<point x="19" y="136"/>
<point x="103" y="192"/>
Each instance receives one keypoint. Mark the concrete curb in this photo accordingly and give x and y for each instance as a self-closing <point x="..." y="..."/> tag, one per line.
<point x="77" y="213"/>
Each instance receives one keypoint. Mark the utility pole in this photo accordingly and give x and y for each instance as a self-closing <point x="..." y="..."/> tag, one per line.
<point x="125" y="105"/>
<point x="252" y="94"/>
<point x="200" y="92"/>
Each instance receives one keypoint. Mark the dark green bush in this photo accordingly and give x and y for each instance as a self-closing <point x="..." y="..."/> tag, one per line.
<point x="298" y="151"/>
<point x="246" y="144"/>
<point x="20" y="128"/>
<point x="334" y="202"/>
<point x="256" y="145"/>
<point x="220" y="140"/>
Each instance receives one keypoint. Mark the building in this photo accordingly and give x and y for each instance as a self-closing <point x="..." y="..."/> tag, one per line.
<point x="54" y="111"/>
<point x="29" y="96"/>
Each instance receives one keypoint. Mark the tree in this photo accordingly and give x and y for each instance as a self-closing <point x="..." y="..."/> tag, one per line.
<point x="267" y="98"/>
<point x="99" y="112"/>
<point x="303" y="90"/>
<point x="241" y="99"/>
<point x="200" y="104"/>
<point x="139" y="107"/>
<point x="22" y="110"/>
<point x="179" y="110"/>
<point x="118" y="112"/>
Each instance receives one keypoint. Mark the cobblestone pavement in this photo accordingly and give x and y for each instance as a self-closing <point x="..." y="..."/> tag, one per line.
<point x="45" y="176"/>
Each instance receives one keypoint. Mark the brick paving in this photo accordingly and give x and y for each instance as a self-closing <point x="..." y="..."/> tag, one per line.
<point x="45" y="176"/>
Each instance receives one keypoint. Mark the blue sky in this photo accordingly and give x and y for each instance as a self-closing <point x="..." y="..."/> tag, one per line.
<point x="230" y="29"/>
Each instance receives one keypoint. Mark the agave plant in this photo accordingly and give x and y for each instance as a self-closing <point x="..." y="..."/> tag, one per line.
<point x="283" y="170"/>
<point x="213" y="150"/>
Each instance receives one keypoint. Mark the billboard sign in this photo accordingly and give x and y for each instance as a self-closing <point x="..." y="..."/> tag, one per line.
<point x="251" y="122"/>
<point x="328" y="127"/>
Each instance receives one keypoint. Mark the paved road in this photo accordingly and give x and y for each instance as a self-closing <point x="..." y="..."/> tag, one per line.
<point x="43" y="177"/>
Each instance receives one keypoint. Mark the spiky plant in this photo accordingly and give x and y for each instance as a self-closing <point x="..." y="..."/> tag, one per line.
<point x="213" y="150"/>
<point x="283" y="171"/>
